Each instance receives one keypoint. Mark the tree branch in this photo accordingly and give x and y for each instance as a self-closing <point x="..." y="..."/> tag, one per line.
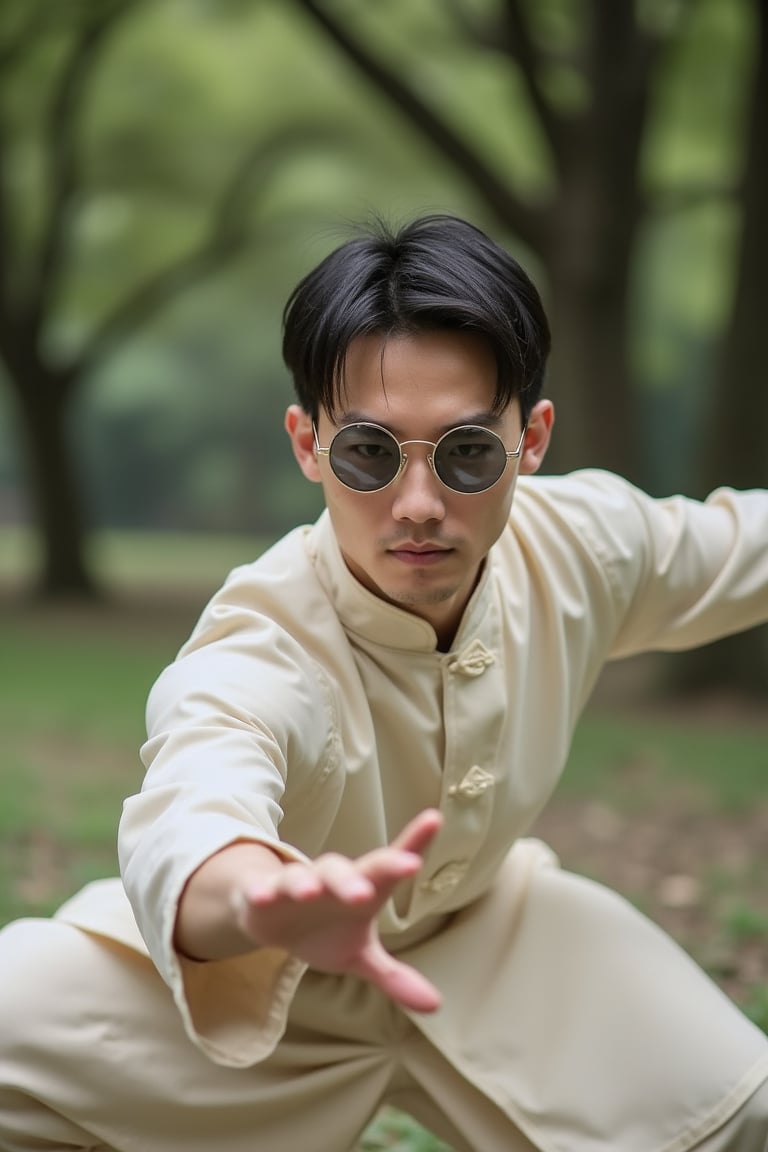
<point x="521" y="48"/>
<point x="486" y="34"/>
<point x="16" y="336"/>
<point x="225" y="237"/>
<point x="11" y="52"/>
<point x="510" y="210"/>
<point x="63" y="123"/>
<point x="511" y="37"/>
<point x="621" y="53"/>
<point x="38" y="21"/>
<point x="155" y="292"/>
<point x="5" y="233"/>
<point x="686" y="197"/>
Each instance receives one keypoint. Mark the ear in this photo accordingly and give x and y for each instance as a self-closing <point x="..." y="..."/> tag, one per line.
<point x="537" y="436"/>
<point x="298" y="425"/>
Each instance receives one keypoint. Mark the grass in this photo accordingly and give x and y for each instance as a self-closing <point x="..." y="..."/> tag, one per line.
<point x="727" y="763"/>
<point x="668" y="808"/>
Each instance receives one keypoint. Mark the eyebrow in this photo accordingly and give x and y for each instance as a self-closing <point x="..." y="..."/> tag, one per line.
<point x="481" y="419"/>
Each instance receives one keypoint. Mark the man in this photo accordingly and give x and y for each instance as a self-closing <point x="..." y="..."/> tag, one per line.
<point x="331" y="901"/>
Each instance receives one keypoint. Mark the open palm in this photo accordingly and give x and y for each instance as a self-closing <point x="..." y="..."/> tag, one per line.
<point x="324" y="912"/>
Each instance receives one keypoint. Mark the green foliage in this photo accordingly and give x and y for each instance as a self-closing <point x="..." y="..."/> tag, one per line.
<point x="746" y="924"/>
<point x="757" y="1008"/>
<point x="393" y="1131"/>
<point x="180" y="422"/>
<point x="700" y="98"/>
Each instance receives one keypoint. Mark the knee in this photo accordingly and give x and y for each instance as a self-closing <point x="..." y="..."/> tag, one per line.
<point x="34" y="958"/>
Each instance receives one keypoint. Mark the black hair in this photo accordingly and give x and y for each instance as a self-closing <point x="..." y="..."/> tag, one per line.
<point x="438" y="272"/>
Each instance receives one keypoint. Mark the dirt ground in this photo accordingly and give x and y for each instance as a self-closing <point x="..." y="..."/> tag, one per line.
<point x="702" y="874"/>
<point x="701" y="877"/>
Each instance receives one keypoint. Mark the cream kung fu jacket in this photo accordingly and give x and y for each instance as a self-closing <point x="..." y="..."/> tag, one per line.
<point x="307" y="714"/>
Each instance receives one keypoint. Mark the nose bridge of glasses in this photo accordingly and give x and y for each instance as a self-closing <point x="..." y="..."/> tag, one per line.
<point x="429" y="443"/>
<point x="430" y="456"/>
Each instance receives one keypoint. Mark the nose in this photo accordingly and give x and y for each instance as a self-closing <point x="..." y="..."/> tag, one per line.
<point x="418" y="494"/>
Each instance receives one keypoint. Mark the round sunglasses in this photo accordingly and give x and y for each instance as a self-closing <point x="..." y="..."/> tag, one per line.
<point x="366" y="457"/>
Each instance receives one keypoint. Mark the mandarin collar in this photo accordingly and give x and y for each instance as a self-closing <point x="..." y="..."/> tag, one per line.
<point x="367" y="616"/>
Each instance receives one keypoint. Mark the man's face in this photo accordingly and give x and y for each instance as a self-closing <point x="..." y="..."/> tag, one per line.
<point x="416" y="543"/>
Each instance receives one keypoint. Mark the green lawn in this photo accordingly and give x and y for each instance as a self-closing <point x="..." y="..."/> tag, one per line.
<point x="669" y="808"/>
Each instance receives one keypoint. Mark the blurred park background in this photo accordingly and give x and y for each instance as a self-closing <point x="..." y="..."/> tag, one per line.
<point x="170" y="168"/>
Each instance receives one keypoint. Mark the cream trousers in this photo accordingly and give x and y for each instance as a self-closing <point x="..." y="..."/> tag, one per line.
<point x="93" y="1056"/>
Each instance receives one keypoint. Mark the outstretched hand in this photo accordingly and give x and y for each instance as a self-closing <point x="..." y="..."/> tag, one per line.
<point x="324" y="912"/>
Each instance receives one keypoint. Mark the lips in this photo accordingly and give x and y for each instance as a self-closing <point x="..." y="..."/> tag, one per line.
<point x="419" y="555"/>
<point x="411" y="546"/>
<point x="419" y="548"/>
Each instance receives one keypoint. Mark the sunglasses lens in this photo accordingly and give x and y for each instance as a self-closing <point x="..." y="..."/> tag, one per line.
<point x="364" y="457"/>
<point x="470" y="459"/>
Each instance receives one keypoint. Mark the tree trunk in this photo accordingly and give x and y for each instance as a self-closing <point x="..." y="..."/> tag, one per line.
<point x="589" y="376"/>
<point x="43" y="408"/>
<point x="737" y="449"/>
<point x="588" y="263"/>
<point x="735" y="666"/>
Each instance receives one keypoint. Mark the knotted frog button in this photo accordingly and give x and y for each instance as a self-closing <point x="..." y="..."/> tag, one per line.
<point x="476" y="782"/>
<point x="445" y="878"/>
<point x="473" y="661"/>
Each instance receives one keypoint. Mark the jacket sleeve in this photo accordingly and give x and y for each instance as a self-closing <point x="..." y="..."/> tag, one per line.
<point x="240" y="731"/>
<point x="680" y="572"/>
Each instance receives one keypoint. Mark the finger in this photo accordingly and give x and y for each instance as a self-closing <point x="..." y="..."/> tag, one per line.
<point x="300" y="882"/>
<point x="294" y="882"/>
<point x="419" y="833"/>
<point x="385" y="868"/>
<point x="329" y="875"/>
<point x="344" y="879"/>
